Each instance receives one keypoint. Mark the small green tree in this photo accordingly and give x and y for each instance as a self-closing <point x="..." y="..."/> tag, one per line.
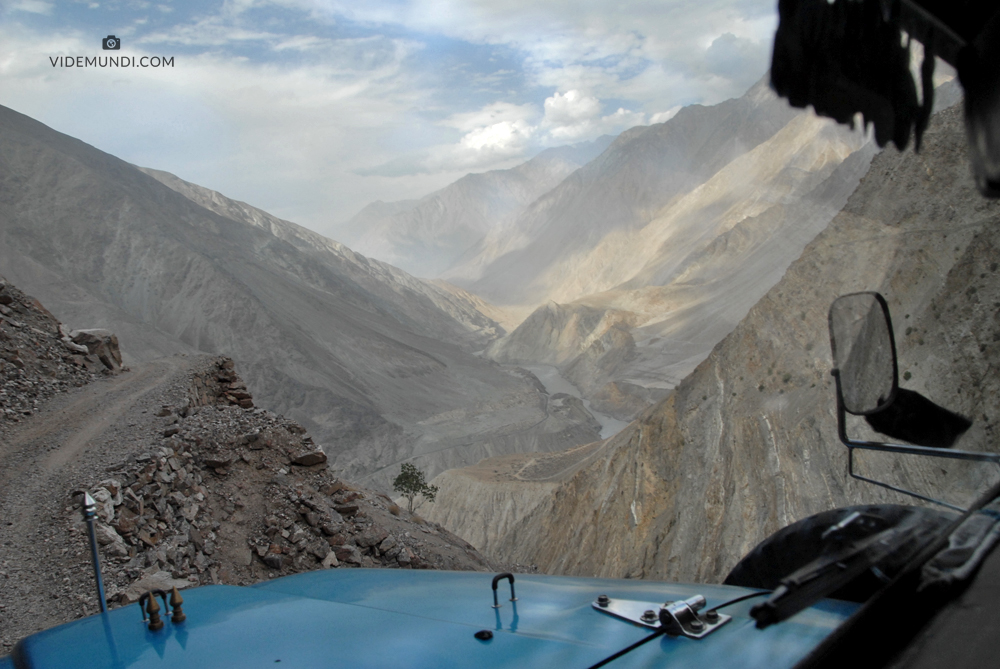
<point x="411" y="483"/>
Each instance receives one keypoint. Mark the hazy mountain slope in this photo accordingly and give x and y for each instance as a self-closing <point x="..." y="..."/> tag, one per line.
<point x="659" y="298"/>
<point x="621" y="190"/>
<point x="428" y="236"/>
<point x="747" y="443"/>
<point x="355" y="350"/>
<point x="408" y="294"/>
<point x="669" y="291"/>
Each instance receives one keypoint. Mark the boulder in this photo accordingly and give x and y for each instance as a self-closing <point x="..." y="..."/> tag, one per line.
<point x="372" y="536"/>
<point x="127" y="520"/>
<point x="274" y="560"/>
<point x="349" y="554"/>
<point x="103" y="344"/>
<point x="196" y="539"/>
<point x="117" y="549"/>
<point x="106" y="534"/>
<point x="405" y="556"/>
<point x="114" y="487"/>
<point x="217" y="460"/>
<point x="309" y="458"/>
<point x="320" y="549"/>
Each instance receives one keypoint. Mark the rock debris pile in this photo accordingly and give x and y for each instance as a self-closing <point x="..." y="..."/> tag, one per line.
<point x="232" y="494"/>
<point x="219" y="385"/>
<point x="40" y="358"/>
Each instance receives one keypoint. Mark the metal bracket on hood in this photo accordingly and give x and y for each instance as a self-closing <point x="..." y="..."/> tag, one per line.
<point x="681" y="618"/>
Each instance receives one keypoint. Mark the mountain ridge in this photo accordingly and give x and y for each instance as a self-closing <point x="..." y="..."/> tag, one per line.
<point x="355" y="350"/>
<point x="642" y="171"/>
<point x="428" y="236"/>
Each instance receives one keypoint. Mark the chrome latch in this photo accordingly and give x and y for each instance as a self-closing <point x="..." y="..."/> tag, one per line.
<point x="681" y="618"/>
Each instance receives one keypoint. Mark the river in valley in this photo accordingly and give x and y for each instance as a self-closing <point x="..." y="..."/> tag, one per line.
<point x="555" y="383"/>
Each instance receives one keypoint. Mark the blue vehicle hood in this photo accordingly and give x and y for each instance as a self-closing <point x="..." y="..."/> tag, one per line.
<point x="403" y="618"/>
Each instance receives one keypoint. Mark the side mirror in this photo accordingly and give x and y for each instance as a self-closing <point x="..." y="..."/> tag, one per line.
<point x="866" y="373"/>
<point x="864" y="352"/>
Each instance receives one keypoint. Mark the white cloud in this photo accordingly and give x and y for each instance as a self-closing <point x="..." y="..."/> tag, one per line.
<point x="573" y="115"/>
<point x="595" y="45"/>
<point x="208" y="31"/>
<point x="282" y="138"/>
<point x="497" y="112"/>
<point x="571" y="108"/>
<point x="570" y="116"/>
<point x="506" y="137"/>
<point x="30" y="6"/>
<point x="300" y="43"/>
<point x="492" y="137"/>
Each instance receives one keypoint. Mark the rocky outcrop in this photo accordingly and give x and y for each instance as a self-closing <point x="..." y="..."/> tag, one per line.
<point x="219" y="385"/>
<point x="623" y="400"/>
<point x="97" y="342"/>
<point x="234" y="495"/>
<point x="747" y="443"/>
<point x="37" y="359"/>
<point x="555" y="334"/>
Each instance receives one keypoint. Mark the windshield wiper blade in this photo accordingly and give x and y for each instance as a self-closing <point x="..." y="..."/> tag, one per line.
<point x="838" y="567"/>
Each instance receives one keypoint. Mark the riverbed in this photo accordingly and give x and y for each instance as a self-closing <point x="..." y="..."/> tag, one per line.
<point x="554" y="382"/>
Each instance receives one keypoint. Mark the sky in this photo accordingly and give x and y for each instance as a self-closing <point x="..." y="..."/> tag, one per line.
<point x="312" y="109"/>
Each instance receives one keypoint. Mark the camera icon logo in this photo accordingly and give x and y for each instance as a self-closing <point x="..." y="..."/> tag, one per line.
<point x="111" y="43"/>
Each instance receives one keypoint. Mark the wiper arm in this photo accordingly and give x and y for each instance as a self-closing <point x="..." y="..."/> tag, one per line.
<point x="838" y="567"/>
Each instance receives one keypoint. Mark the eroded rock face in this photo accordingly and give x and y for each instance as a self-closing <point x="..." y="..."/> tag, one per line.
<point x="234" y="495"/>
<point x="747" y="443"/>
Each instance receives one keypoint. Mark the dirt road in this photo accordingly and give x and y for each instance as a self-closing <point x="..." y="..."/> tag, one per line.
<point x="72" y="441"/>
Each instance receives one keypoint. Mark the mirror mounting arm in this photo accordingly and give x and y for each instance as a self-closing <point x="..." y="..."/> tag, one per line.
<point x="853" y="444"/>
